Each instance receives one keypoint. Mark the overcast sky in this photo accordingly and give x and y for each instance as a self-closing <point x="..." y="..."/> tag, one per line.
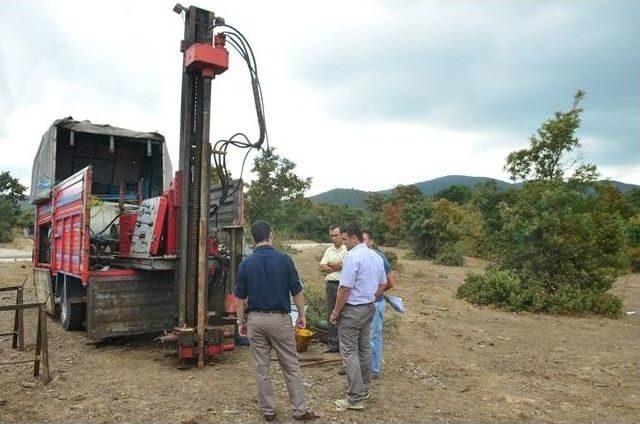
<point x="362" y="95"/>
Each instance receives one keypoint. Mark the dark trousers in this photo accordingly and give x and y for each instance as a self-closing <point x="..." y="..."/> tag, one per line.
<point x="332" y="293"/>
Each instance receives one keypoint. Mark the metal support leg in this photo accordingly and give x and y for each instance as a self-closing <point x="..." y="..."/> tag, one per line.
<point x="20" y="297"/>
<point x="18" y="323"/>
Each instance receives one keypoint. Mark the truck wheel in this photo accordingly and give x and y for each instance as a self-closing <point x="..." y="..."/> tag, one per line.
<point x="70" y="314"/>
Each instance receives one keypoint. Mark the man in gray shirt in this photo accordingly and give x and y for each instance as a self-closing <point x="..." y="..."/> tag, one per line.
<point x="362" y="279"/>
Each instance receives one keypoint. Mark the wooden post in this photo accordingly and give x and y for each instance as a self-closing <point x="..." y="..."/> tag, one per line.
<point x="36" y="359"/>
<point x="44" y="344"/>
<point x="16" y="327"/>
<point x="20" y="296"/>
<point x="18" y="324"/>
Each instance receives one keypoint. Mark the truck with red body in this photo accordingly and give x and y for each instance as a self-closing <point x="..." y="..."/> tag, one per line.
<point x="106" y="230"/>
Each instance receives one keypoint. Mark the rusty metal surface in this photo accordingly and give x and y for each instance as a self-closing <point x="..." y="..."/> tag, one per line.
<point x="149" y="264"/>
<point x="128" y="305"/>
<point x="230" y="211"/>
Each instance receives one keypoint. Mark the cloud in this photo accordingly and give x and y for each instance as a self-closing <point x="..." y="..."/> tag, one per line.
<point x="487" y="67"/>
<point x="413" y="90"/>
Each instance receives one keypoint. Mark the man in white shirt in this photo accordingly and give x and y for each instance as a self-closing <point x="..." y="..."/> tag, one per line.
<point x="331" y="264"/>
<point x="362" y="279"/>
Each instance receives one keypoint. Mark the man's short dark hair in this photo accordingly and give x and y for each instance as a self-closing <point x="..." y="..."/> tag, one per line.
<point x="260" y="231"/>
<point x="334" y="226"/>
<point x="353" y="230"/>
<point x="368" y="232"/>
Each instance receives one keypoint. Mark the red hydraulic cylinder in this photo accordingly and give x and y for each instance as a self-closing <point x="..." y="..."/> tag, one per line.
<point x="210" y="60"/>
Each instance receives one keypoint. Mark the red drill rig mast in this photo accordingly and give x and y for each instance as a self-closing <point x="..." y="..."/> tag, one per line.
<point x="150" y="258"/>
<point x="202" y="62"/>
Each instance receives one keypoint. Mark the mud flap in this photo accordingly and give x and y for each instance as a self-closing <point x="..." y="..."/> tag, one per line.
<point x="128" y="305"/>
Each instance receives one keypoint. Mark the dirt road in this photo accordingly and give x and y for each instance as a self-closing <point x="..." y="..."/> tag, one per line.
<point x="447" y="362"/>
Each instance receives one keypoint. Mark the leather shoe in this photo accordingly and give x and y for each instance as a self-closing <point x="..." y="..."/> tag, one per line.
<point x="307" y="416"/>
<point x="331" y="350"/>
<point x="269" y="418"/>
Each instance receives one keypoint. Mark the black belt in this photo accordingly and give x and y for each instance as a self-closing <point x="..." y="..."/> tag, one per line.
<point x="264" y="311"/>
<point x="360" y="304"/>
<point x="333" y="281"/>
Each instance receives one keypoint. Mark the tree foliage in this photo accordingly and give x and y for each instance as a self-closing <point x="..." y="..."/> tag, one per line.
<point x="11" y="194"/>
<point x="558" y="243"/>
<point x="456" y="193"/>
<point x="277" y="191"/>
<point x="547" y="157"/>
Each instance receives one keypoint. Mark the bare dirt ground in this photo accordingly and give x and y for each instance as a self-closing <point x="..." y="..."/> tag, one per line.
<point x="446" y="362"/>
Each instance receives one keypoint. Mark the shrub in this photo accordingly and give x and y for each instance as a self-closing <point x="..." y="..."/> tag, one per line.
<point x="504" y="289"/>
<point x="315" y="299"/>
<point x="450" y="256"/>
<point x="634" y="258"/>
<point x="493" y="288"/>
<point x="575" y="301"/>
<point x="391" y="257"/>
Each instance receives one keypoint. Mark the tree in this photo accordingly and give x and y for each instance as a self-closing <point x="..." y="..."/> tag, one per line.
<point x="558" y="243"/>
<point x="547" y="156"/>
<point x="393" y="211"/>
<point x="11" y="190"/>
<point x="277" y="191"/>
<point x="442" y="229"/>
<point x="487" y="201"/>
<point x="11" y="194"/>
<point x="456" y="193"/>
<point x="373" y="220"/>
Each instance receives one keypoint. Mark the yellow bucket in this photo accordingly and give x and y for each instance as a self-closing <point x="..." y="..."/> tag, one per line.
<point x="303" y="337"/>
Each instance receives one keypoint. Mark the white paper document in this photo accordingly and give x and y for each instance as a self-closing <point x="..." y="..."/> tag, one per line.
<point x="395" y="302"/>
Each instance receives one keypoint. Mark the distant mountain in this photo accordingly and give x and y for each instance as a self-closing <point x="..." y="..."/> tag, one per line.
<point x="623" y="187"/>
<point x="431" y="187"/>
<point x="355" y="198"/>
<point x="342" y="196"/>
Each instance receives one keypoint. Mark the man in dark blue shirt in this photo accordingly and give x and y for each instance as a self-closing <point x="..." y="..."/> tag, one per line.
<point x="267" y="279"/>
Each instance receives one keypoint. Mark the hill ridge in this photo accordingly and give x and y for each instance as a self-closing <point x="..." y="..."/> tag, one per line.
<point x="355" y="197"/>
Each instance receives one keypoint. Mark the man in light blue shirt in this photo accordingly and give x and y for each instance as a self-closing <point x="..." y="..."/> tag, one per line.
<point x="362" y="279"/>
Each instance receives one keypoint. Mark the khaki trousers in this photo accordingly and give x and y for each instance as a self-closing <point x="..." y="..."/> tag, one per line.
<point x="355" y="347"/>
<point x="275" y="331"/>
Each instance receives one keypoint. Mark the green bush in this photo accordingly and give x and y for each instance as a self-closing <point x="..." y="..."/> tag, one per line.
<point x="8" y="220"/>
<point x="315" y="299"/>
<point x="574" y="301"/>
<point x="450" y="256"/>
<point x="504" y="289"/>
<point x="634" y="258"/>
<point x="391" y="257"/>
<point x="493" y="288"/>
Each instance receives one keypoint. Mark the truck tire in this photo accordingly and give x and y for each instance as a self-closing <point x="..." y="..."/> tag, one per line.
<point x="71" y="314"/>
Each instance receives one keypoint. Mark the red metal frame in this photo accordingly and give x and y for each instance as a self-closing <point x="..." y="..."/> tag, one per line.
<point x="68" y="212"/>
<point x="210" y="60"/>
<point x="127" y="223"/>
<point x="44" y="216"/>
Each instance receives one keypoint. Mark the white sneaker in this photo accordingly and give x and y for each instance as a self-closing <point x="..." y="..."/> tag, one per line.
<point x="344" y="404"/>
